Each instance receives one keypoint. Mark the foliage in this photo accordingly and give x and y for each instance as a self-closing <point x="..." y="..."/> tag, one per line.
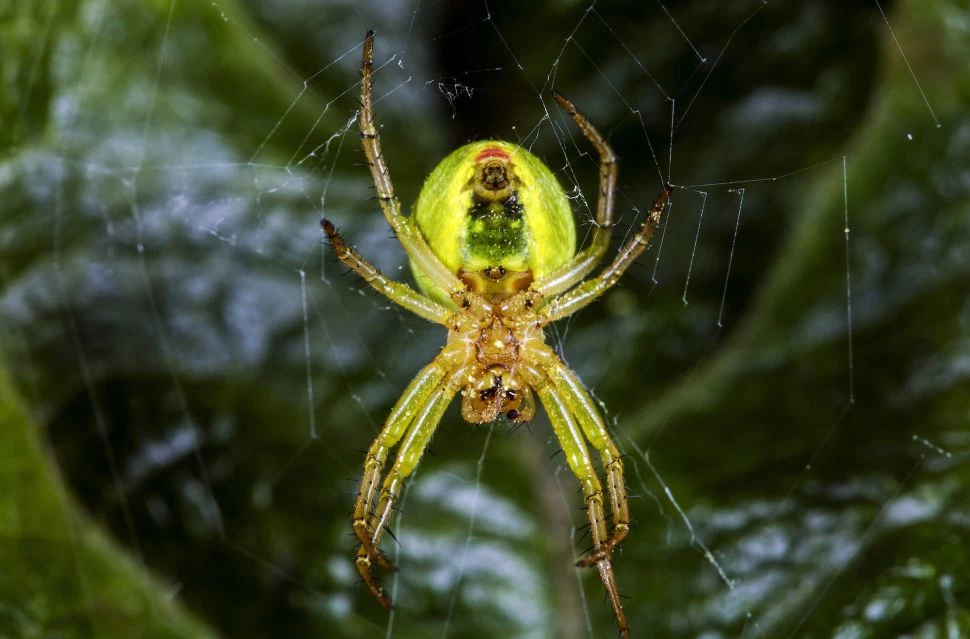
<point x="161" y="264"/>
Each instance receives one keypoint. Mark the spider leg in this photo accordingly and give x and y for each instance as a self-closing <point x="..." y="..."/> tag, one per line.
<point x="402" y="415"/>
<point x="582" y="407"/>
<point x="407" y="233"/>
<point x="570" y="437"/>
<point x="427" y="405"/>
<point x="399" y="293"/>
<point x="586" y="260"/>
<point x="576" y="298"/>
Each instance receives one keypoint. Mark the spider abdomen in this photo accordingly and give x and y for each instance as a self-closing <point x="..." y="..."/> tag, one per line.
<point x="497" y="217"/>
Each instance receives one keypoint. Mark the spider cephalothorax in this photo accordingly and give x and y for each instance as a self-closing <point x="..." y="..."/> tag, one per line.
<point x="496" y="385"/>
<point x="492" y="246"/>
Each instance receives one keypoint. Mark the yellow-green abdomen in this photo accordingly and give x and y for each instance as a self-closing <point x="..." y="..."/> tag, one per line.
<point x="495" y="215"/>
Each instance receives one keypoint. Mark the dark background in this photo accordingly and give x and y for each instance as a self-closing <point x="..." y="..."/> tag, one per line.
<point x="168" y="310"/>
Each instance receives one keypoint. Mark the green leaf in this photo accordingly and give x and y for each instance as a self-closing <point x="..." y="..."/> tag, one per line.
<point x="61" y="576"/>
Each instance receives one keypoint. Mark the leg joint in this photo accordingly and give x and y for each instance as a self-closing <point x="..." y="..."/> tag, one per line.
<point x="596" y="496"/>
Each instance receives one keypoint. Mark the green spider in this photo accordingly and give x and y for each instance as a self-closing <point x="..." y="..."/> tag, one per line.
<point x="492" y="245"/>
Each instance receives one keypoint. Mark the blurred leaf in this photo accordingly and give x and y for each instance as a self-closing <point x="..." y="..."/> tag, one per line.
<point x="61" y="577"/>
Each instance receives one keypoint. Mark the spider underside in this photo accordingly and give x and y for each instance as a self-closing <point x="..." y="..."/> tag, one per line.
<point x="495" y="356"/>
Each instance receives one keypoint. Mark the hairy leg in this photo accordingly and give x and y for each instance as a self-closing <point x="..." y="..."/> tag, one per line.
<point x="582" y="407"/>
<point x="400" y="294"/>
<point x="426" y="419"/>
<point x="586" y="260"/>
<point x="407" y="233"/>
<point x="414" y="399"/>
<point x="571" y="438"/>
<point x="585" y="293"/>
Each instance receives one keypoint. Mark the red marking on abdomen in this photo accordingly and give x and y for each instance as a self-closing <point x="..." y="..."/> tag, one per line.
<point x="492" y="152"/>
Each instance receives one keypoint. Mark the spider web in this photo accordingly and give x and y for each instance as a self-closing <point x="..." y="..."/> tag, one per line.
<point x="209" y="375"/>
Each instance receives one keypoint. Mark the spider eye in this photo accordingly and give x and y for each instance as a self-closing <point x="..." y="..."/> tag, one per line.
<point x="512" y="414"/>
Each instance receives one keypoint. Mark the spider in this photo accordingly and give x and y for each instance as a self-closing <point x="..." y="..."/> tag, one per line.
<point x="492" y="245"/>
